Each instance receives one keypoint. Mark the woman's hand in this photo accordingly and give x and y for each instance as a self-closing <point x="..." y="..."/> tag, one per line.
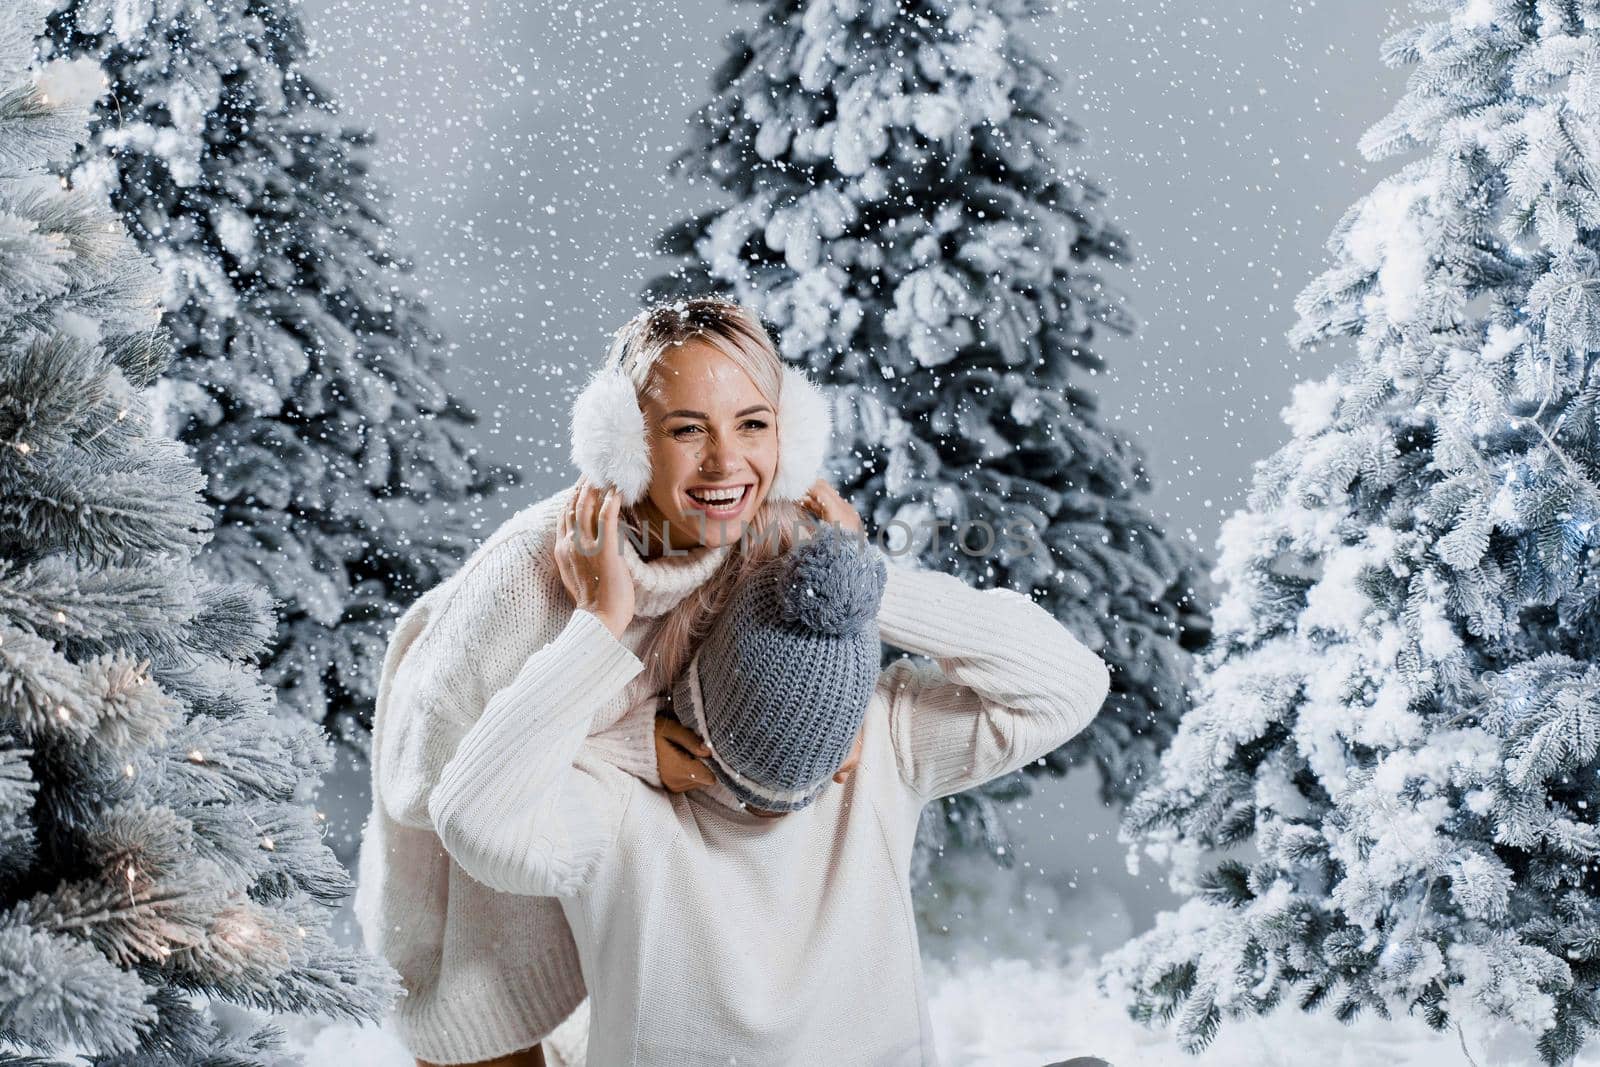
<point x="676" y="749"/>
<point x="589" y="556"/>
<point x="848" y="767"/>
<point x="824" y="501"/>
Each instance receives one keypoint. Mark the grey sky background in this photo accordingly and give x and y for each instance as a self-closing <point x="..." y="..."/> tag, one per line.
<point x="526" y="147"/>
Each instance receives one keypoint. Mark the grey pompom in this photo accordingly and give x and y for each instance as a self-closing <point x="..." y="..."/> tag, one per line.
<point x="831" y="584"/>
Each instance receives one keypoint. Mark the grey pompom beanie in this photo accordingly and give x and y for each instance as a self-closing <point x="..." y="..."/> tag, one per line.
<point x="779" y="687"/>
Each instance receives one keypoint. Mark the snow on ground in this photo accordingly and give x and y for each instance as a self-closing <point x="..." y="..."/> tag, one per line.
<point x="1021" y="1013"/>
<point x="1011" y="1012"/>
<point x="1007" y="958"/>
<point x="1004" y="991"/>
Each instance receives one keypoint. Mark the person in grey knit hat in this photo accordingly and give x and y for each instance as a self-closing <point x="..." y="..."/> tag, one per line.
<point x="710" y="929"/>
<point x="779" y="686"/>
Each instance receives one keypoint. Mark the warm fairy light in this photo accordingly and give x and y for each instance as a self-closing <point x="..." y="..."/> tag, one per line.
<point x="63" y="712"/>
<point x="127" y="769"/>
<point x="241" y="932"/>
<point x="194" y="754"/>
<point x="266" y="843"/>
<point x="301" y="930"/>
<point x="24" y="447"/>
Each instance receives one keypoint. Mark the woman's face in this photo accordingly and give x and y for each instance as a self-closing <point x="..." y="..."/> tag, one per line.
<point x="713" y="447"/>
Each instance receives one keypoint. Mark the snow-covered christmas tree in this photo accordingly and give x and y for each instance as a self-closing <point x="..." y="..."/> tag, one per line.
<point x="908" y="218"/>
<point x="306" y="379"/>
<point x="161" y="877"/>
<point x="1401" y="711"/>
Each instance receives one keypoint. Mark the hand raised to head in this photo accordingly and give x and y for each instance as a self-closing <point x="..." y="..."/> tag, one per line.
<point x="588" y="554"/>
<point x="848" y="767"/>
<point x="824" y="501"/>
<point x="677" y="749"/>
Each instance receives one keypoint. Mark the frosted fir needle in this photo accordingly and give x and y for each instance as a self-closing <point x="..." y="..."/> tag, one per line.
<point x="120" y="416"/>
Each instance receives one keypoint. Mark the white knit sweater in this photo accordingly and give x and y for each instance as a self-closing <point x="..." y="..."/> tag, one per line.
<point x="486" y="973"/>
<point x="710" y="935"/>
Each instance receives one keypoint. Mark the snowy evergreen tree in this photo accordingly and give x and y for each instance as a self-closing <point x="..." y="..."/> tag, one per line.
<point x="306" y="379"/>
<point x="161" y="877"/>
<point x="1401" y="711"/>
<point x="908" y="218"/>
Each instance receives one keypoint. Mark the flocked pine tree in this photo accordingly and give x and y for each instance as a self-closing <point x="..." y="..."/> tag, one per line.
<point x="1401" y="710"/>
<point x="908" y="218"/>
<point x="306" y="379"/>
<point x="161" y="878"/>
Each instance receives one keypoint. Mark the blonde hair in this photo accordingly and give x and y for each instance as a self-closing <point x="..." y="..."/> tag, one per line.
<point x="737" y="333"/>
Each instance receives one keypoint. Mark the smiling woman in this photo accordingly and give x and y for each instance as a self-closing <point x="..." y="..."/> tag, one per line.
<point x="711" y="440"/>
<point x="699" y="429"/>
<point x="711" y="468"/>
<point x="519" y="858"/>
<point x="708" y="935"/>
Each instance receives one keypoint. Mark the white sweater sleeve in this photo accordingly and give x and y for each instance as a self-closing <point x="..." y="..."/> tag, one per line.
<point x="513" y="806"/>
<point x="475" y="642"/>
<point x="1011" y="684"/>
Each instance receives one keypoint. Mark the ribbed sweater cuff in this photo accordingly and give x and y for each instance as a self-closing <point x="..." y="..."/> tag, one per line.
<point x="631" y="745"/>
<point x="1005" y="639"/>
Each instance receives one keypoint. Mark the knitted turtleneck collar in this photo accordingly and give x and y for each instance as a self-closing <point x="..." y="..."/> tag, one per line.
<point x="660" y="583"/>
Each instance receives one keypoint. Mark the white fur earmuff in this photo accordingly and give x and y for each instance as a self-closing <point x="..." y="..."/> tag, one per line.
<point x="609" y="446"/>
<point x="608" y="443"/>
<point x="805" y="425"/>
